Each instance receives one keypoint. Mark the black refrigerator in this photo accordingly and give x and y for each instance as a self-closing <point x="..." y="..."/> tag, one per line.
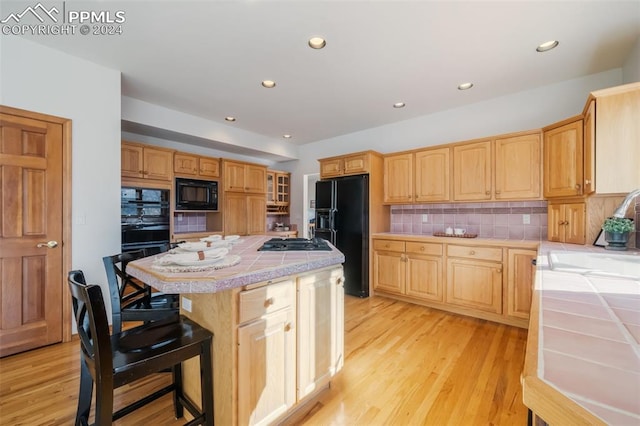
<point x="342" y="218"/>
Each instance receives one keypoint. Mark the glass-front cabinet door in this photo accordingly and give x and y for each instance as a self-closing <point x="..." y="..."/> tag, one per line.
<point x="270" y="188"/>
<point x="282" y="195"/>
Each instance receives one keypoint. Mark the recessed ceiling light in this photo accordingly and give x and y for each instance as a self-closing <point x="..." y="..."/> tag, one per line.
<point x="268" y="84"/>
<point x="399" y="105"/>
<point x="317" y="42"/>
<point x="465" y="86"/>
<point x="230" y="118"/>
<point x="286" y="136"/>
<point x="547" y="45"/>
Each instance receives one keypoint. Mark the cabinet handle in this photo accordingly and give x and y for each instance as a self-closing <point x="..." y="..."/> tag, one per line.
<point x="488" y="192"/>
<point x="499" y="270"/>
<point x="409" y="196"/>
<point x="269" y="302"/>
<point x="472" y="252"/>
<point x="587" y="182"/>
<point x="288" y="327"/>
<point x="497" y="191"/>
<point x="421" y="248"/>
<point x="577" y="186"/>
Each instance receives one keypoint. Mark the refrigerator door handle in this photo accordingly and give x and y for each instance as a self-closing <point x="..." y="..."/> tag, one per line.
<point x="332" y="220"/>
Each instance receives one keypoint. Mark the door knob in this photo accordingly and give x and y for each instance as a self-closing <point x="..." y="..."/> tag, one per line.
<point x="51" y="244"/>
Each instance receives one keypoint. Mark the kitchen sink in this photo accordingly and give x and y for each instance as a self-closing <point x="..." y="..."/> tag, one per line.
<point x="605" y="264"/>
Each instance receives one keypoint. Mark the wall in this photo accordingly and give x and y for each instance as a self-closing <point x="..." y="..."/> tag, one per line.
<point x="631" y="67"/>
<point x="527" y="110"/>
<point x="40" y="79"/>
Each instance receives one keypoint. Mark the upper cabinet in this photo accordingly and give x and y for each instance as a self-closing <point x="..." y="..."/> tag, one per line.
<point x="506" y="168"/>
<point x="351" y="164"/>
<point x="196" y="166"/>
<point x="517" y="168"/>
<point x="398" y="178"/>
<point x="145" y="162"/>
<point x="615" y="114"/>
<point x="244" y="177"/>
<point x="472" y="171"/>
<point x="563" y="159"/>
<point x="420" y="176"/>
<point x="278" y="190"/>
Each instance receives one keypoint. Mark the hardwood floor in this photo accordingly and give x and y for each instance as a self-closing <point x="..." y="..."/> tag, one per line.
<point x="404" y="365"/>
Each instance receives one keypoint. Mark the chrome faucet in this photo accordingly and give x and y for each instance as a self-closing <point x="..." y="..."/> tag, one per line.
<point x="621" y="211"/>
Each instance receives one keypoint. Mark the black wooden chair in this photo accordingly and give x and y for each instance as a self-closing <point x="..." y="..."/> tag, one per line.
<point x="115" y="360"/>
<point x="131" y="299"/>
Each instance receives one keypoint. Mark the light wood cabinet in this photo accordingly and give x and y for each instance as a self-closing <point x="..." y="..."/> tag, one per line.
<point x="388" y="266"/>
<point x="267" y="353"/>
<point x="320" y="329"/>
<point x="480" y="279"/>
<point x="352" y="164"/>
<point x="566" y="222"/>
<point x="563" y="159"/>
<point x="614" y="134"/>
<point x="517" y="168"/>
<point x="520" y="273"/>
<point x="432" y="175"/>
<point x="408" y="268"/>
<point x="421" y="176"/>
<point x="144" y="162"/>
<point x="398" y="178"/>
<point x="424" y="271"/>
<point x="472" y="174"/>
<point x="244" y="177"/>
<point x="475" y="284"/>
<point x="278" y="192"/>
<point x="244" y="214"/>
<point x="196" y="166"/>
<point x="507" y="168"/>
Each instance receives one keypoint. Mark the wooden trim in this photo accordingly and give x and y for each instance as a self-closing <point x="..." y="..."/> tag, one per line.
<point x="562" y="123"/>
<point x="349" y="154"/>
<point x="66" y="205"/>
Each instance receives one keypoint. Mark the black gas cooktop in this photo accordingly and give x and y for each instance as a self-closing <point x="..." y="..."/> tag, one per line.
<point x="291" y="244"/>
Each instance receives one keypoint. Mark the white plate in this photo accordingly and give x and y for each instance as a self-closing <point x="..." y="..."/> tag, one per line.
<point x="231" y="237"/>
<point x="192" y="258"/>
<point x="211" y="238"/>
<point x="199" y="246"/>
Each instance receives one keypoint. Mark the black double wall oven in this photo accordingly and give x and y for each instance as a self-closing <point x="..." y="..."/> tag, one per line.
<point x="144" y="218"/>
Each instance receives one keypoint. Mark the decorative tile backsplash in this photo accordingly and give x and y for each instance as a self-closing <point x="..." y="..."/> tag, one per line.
<point x="488" y="220"/>
<point x="191" y="222"/>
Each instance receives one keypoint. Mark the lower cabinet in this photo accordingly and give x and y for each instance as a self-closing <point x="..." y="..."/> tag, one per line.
<point x="320" y="329"/>
<point x="474" y="277"/>
<point x="520" y="273"/>
<point x="490" y="282"/>
<point x="290" y="343"/>
<point x="266" y="352"/>
<point x="408" y="268"/>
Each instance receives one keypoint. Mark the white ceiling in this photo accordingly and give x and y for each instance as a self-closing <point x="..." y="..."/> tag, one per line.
<point x="207" y="58"/>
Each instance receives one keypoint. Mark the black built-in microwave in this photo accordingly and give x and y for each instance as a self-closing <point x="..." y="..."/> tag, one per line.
<point x="193" y="194"/>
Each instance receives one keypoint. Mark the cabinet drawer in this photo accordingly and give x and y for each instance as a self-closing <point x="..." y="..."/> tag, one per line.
<point x="263" y="300"/>
<point x="388" y="245"/>
<point x="471" y="252"/>
<point x="424" y="248"/>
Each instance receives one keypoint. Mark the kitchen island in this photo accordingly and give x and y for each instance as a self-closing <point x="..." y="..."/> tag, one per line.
<point x="278" y="324"/>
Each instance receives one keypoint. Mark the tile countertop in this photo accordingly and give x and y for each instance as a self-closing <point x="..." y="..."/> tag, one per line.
<point x="497" y="242"/>
<point x="582" y="363"/>
<point x="254" y="266"/>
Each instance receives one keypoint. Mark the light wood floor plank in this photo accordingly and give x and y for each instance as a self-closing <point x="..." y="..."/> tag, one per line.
<point x="404" y="365"/>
